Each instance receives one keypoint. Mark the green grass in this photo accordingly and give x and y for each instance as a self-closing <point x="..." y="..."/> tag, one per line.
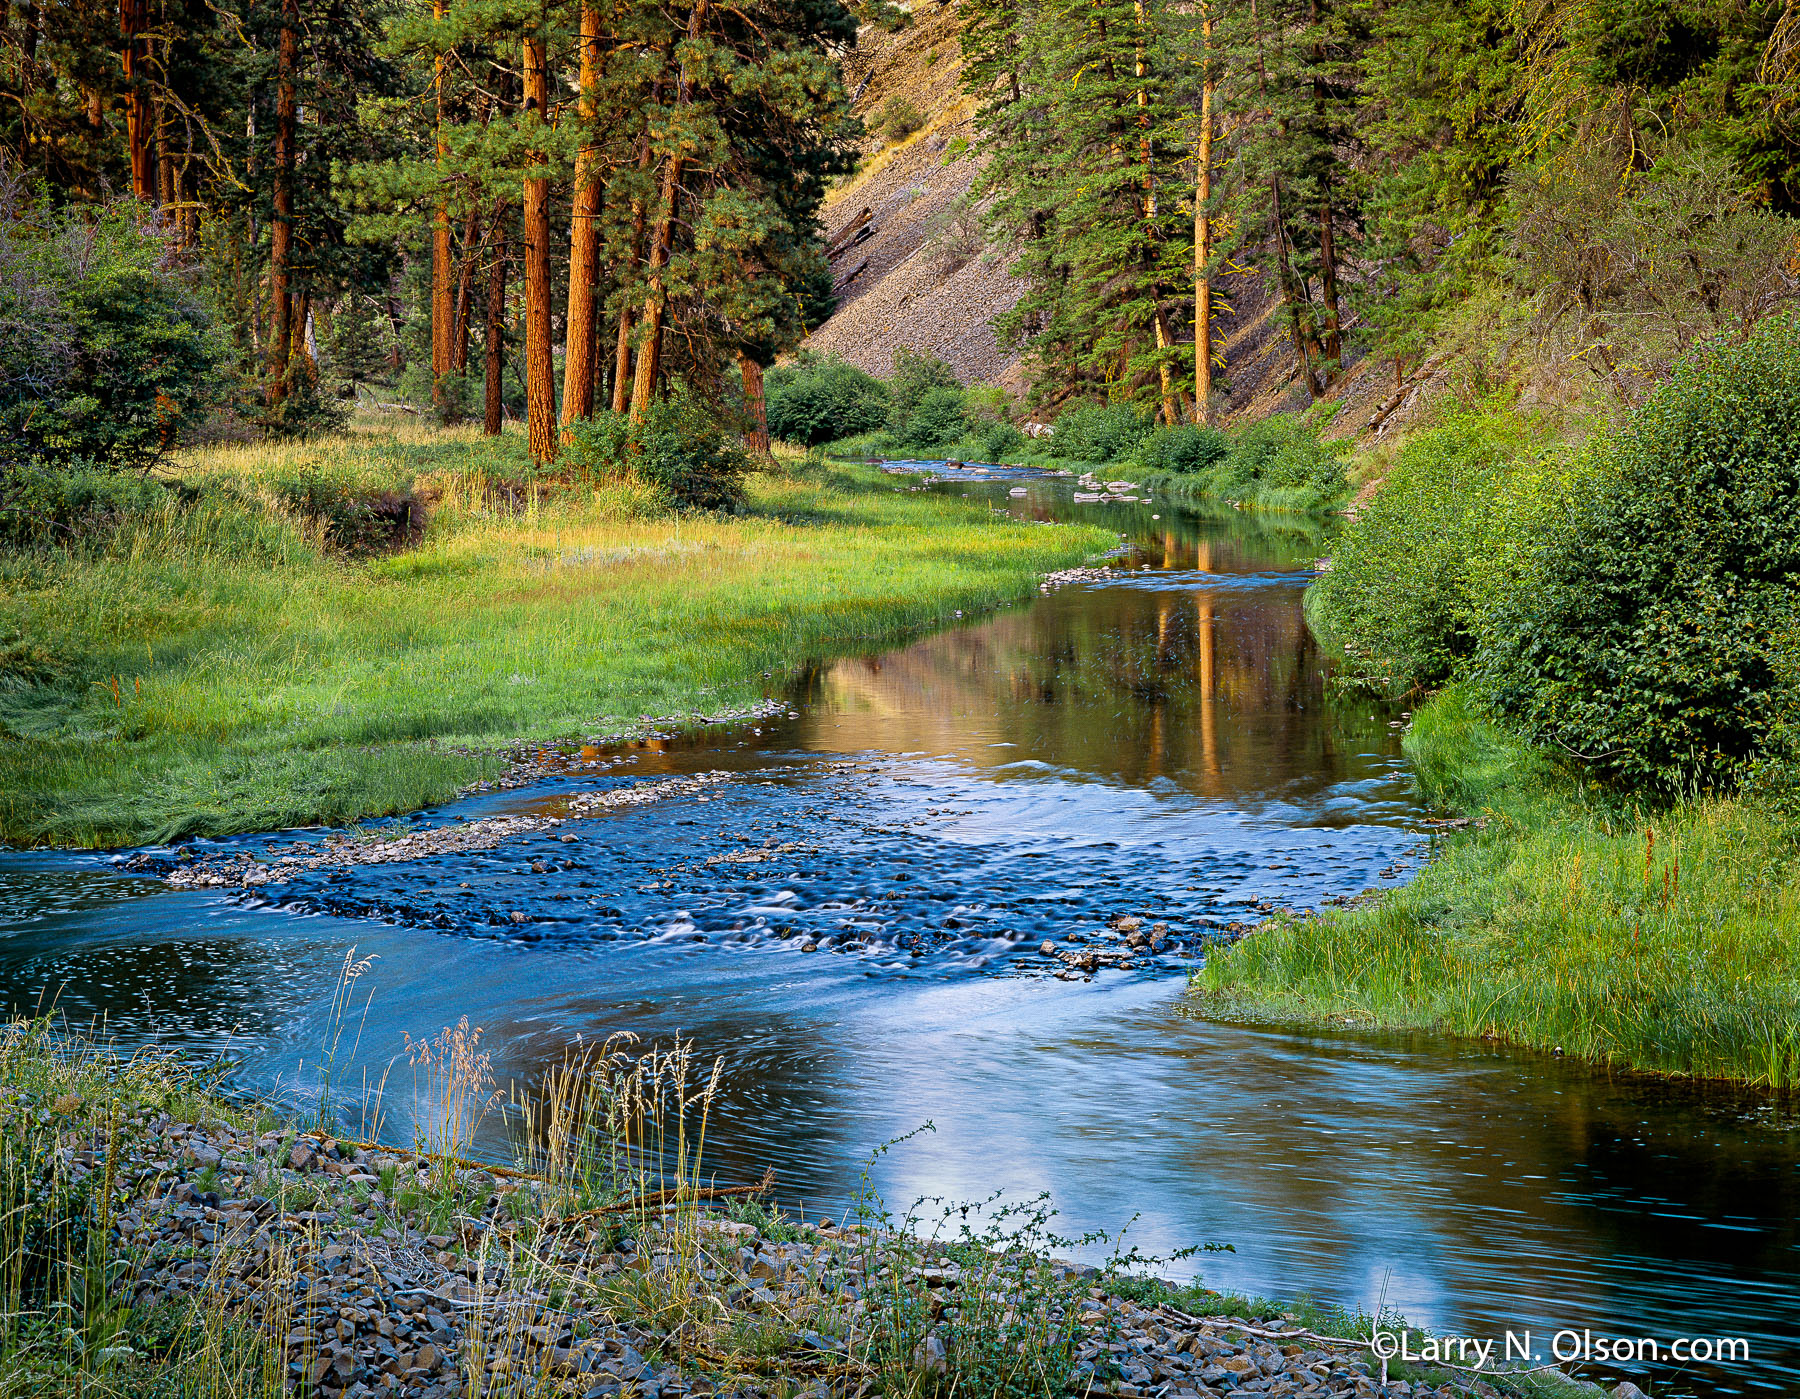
<point x="212" y="667"/>
<point x="1661" y="941"/>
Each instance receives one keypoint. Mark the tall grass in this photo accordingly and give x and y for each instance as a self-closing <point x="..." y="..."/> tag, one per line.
<point x="1661" y="941"/>
<point x="212" y="668"/>
<point x="70" y="1108"/>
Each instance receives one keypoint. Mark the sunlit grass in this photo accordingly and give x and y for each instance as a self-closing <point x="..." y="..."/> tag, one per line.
<point x="219" y="670"/>
<point x="1661" y="941"/>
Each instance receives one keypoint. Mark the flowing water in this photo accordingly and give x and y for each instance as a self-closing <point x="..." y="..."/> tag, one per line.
<point x="849" y="907"/>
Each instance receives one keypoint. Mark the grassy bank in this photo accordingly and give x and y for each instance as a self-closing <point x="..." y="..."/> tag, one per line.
<point x="214" y="664"/>
<point x="159" y="1240"/>
<point x="1660" y="941"/>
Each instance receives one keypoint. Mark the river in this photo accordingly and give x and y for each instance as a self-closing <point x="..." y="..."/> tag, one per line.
<point x="1160" y="744"/>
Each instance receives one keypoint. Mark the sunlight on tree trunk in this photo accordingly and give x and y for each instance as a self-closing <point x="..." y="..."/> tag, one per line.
<point x="540" y="384"/>
<point x="584" y="234"/>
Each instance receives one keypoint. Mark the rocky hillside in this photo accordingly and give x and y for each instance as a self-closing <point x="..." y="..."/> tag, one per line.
<point x="913" y="269"/>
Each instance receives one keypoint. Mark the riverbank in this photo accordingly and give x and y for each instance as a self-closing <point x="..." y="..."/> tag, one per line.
<point x="219" y="662"/>
<point x="159" y="1237"/>
<point x="1658" y="941"/>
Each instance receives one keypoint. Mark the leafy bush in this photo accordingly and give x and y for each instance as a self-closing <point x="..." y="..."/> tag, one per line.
<point x="1401" y="597"/>
<point x="1100" y="432"/>
<point x="898" y="118"/>
<point x="938" y="422"/>
<point x="357" y="519"/>
<point x="820" y="398"/>
<point x="1284" y="450"/>
<point x="915" y="375"/>
<point x="1186" y="450"/>
<point x="680" y="448"/>
<point x="999" y="440"/>
<point x="1641" y="627"/>
<point x="105" y="353"/>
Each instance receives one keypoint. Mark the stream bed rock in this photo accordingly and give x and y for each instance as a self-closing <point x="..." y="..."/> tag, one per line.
<point x="378" y="1287"/>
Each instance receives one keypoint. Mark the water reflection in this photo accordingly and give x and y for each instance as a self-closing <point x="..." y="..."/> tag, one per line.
<point x="1163" y="743"/>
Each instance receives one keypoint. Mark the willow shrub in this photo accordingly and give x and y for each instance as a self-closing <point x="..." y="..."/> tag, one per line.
<point x="1402" y="599"/>
<point x="1642" y="628"/>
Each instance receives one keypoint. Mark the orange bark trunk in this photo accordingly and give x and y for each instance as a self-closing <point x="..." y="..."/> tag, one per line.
<point x="540" y="369"/>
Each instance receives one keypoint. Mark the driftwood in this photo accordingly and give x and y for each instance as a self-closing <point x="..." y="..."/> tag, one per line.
<point x="863" y="234"/>
<point x="838" y="238"/>
<point x="1399" y="395"/>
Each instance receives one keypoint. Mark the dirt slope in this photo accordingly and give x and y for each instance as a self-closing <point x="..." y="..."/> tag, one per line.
<point x="896" y="290"/>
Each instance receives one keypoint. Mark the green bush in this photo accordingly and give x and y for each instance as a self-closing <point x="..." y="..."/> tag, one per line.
<point x="1100" y="432"/>
<point x="1001" y="440"/>
<point x="1401" y="599"/>
<point x="938" y="422"/>
<point x="1186" y="450"/>
<point x="914" y="376"/>
<point x="820" y="398"/>
<point x="1642" y="626"/>
<point x="898" y="118"/>
<point x="680" y="448"/>
<point x="357" y="518"/>
<point x="1283" y="450"/>
<point x="106" y="355"/>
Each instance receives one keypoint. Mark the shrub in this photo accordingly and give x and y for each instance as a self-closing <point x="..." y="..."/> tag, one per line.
<point x="915" y="374"/>
<point x="898" y="118"/>
<point x="357" y="518"/>
<point x="939" y="420"/>
<point x="106" y="356"/>
<point x="1188" y="450"/>
<point x="820" y="398"/>
<point x="1000" y="440"/>
<point x="1283" y="450"/>
<point x="1400" y="598"/>
<point x="680" y="448"/>
<point x="1100" y="432"/>
<point x="41" y="504"/>
<point x="1642" y="627"/>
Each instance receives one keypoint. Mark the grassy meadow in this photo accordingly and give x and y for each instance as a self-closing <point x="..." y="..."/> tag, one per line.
<point x="215" y="664"/>
<point x="1656" y="940"/>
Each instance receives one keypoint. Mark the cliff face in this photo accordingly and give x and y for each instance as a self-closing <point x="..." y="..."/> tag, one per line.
<point x="911" y="267"/>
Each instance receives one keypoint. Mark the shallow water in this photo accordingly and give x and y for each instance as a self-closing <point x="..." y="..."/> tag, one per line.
<point x="1160" y="744"/>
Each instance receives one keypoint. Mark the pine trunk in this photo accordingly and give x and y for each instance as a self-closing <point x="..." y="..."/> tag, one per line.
<point x="140" y="122"/>
<point x="540" y="369"/>
<point x="649" y="355"/>
<point x="1291" y="290"/>
<point x="1164" y="341"/>
<point x="622" y="354"/>
<point x="757" y="439"/>
<point x="1328" y="286"/>
<point x="442" y="305"/>
<point x="494" y="408"/>
<point x="465" y="290"/>
<point x="649" y="365"/>
<point x="1203" y="290"/>
<point x="584" y="234"/>
<point x="281" y="229"/>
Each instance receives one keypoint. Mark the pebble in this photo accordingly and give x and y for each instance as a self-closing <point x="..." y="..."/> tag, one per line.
<point x="374" y="1305"/>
